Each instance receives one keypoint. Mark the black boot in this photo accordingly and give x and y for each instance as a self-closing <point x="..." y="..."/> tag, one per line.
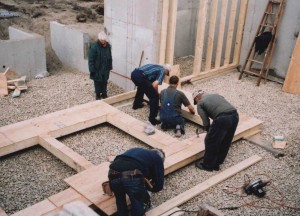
<point x="104" y="95"/>
<point x="154" y="121"/>
<point x="98" y="97"/>
<point x="135" y="106"/>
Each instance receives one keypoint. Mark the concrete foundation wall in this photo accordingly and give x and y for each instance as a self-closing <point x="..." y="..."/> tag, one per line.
<point x="70" y="45"/>
<point x="289" y="27"/>
<point x="186" y="23"/>
<point x="24" y="53"/>
<point x="134" y="27"/>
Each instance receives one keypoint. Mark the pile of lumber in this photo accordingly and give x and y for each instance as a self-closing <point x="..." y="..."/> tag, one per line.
<point x="12" y="81"/>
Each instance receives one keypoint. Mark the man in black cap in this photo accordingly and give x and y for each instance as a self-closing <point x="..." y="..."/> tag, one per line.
<point x="220" y="133"/>
<point x="134" y="173"/>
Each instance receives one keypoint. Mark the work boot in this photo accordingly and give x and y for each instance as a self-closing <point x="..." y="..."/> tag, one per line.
<point x="177" y="131"/>
<point x="154" y="121"/>
<point x="98" y="97"/>
<point x="200" y="165"/>
<point x="135" y="107"/>
<point x="104" y="95"/>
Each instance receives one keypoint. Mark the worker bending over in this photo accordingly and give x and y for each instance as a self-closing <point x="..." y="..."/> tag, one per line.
<point x="147" y="78"/>
<point x="171" y="100"/>
<point x="220" y="133"/>
<point x="134" y="173"/>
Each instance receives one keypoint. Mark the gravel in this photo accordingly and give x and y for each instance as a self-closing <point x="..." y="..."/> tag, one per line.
<point x="31" y="175"/>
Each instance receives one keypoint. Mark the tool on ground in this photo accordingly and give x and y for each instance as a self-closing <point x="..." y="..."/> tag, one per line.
<point x="264" y="41"/>
<point x="256" y="187"/>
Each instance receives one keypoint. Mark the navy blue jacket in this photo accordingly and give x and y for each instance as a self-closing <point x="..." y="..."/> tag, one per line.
<point x="152" y="165"/>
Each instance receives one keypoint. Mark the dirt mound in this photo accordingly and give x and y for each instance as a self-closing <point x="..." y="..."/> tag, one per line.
<point x="35" y="16"/>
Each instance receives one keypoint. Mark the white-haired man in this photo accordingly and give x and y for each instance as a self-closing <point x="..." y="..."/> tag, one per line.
<point x="147" y="78"/>
<point x="100" y="65"/>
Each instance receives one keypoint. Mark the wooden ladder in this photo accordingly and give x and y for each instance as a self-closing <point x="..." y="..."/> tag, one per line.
<point x="269" y="23"/>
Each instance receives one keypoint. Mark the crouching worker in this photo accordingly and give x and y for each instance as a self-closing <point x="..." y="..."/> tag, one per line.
<point x="171" y="100"/>
<point x="134" y="173"/>
<point x="220" y="133"/>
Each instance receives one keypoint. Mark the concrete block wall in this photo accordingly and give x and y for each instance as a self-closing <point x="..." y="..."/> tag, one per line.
<point x="24" y="53"/>
<point x="134" y="27"/>
<point x="70" y="45"/>
<point x="289" y="28"/>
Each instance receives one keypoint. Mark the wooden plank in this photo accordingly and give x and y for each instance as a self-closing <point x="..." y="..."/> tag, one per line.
<point x="171" y="31"/>
<point x="64" y="153"/>
<point x="11" y="74"/>
<point x="89" y="184"/>
<point x="36" y="209"/>
<point x="121" y="97"/>
<point x="211" y="34"/>
<point x="230" y="32"/>
<point x="211" y="211"/>
<point x="3" y="85"/>
<point x="67" y="196"/>
<point x="174" y="212"/>
<point x="2" y="212"/>
<point x="258" y="140"/>
<point x="198" y="189"/>
<point x="221" y="33"/>
<point x="164" y="32"/>
<point x="75" y="208"/>
<point x="240" y="30"/>
<point x="202" y="16"/>
<point x="292" y="78"/>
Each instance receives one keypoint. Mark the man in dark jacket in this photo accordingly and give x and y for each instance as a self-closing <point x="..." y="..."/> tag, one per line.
<point x="100" y="64"/>
<point x="129" y="174"/>
<point x="220" y="133"/>
<point x="171" y="101"/>
<point x="147" y="78"/>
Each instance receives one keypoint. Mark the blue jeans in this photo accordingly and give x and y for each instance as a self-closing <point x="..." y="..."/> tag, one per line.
<point x="136" y="191"/>
<point x="144" y="86"/>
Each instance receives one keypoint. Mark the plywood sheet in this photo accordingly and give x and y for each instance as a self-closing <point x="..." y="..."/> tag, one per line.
<point x="292" y="79"/>
<point x="3" y="85"/>
<point x="37" y="209"/>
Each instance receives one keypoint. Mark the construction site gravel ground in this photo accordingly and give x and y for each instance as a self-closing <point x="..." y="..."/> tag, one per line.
<point x="31" y="175"/>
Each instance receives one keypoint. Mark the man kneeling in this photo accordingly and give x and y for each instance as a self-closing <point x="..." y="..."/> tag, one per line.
<point x="170" y="112"/>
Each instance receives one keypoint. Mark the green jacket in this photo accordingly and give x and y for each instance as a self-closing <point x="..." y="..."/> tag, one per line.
<point x="100" y="61"/>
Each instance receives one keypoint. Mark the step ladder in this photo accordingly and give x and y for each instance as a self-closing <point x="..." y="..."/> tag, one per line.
<point x="267" y="33"/>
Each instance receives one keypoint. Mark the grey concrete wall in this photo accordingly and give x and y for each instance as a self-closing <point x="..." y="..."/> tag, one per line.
<point x="186" y="24"/>
<point x="69" y="44"/>
<point x="24" y="53"/>
<point x="289" y="27"/>
<point x="133" y="27"/>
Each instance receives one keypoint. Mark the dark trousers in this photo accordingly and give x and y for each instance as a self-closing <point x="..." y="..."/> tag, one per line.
<point x="136" y="191"/>
<point x="144" y="86"/>
<point x="100" y="87"/>
<point x="218" y="139"/>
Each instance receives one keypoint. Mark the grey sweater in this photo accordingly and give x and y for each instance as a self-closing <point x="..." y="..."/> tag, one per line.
<point x="212" y="105"/>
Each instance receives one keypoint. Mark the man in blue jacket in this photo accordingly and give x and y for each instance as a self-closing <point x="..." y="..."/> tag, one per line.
<point x="147" y="78"/>
<point x="134" y="173"/>
<point x="100" y="65"/>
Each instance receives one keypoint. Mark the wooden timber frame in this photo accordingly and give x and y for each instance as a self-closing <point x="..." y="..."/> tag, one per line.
<point x="86" y="185"/>
<point x="218" y="40"/>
